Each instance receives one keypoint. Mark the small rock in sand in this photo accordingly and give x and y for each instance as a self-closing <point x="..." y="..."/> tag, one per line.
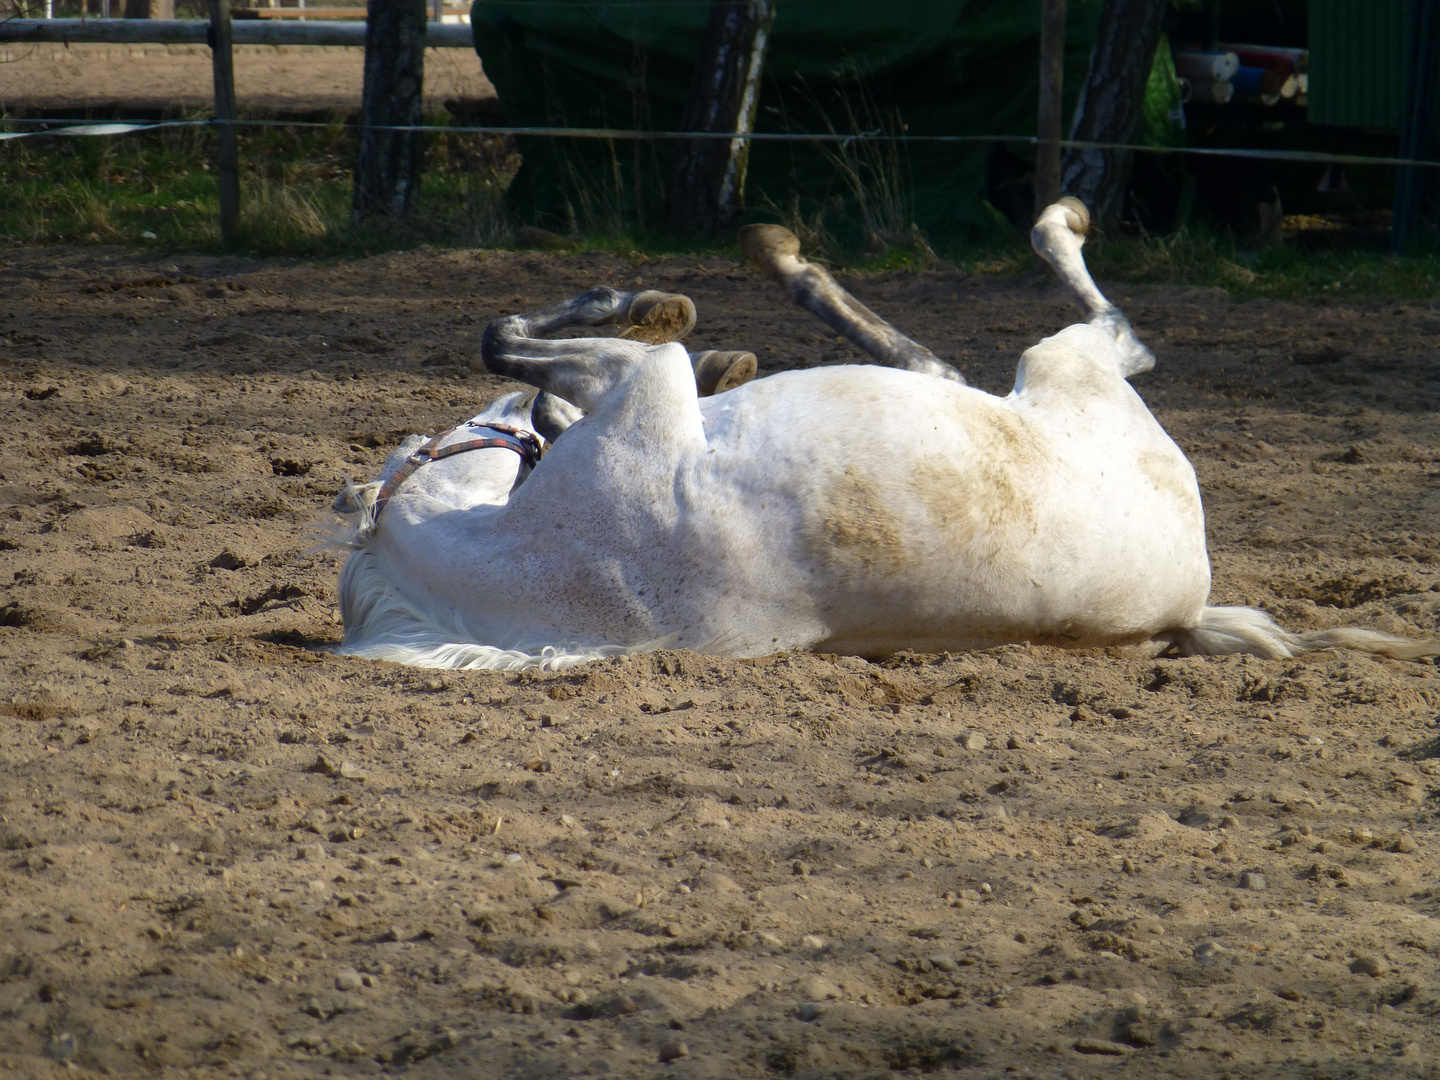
<point x="1369" y="965"/>
<point x="973" y="740"/>
<point x="1101" y="1046"/>
<point x="673" y="1049"/>
<point x="63" y="1047"/>
<point x="348" y="979"/>
<point x="1210" y="950"/>
<point x="818" y="988"/>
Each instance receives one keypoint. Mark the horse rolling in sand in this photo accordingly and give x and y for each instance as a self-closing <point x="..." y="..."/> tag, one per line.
<point x="860" y="509"/>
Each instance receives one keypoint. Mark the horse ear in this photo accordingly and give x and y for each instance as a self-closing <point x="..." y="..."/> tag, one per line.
<point x="550" y="416"/>
<point x="356" y="498"/>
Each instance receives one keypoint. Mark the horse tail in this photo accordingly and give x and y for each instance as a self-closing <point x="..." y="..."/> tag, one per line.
<point x="1224" y="630"/>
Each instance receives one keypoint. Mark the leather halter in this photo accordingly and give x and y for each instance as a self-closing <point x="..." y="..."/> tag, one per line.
<point x="524" y="443"/>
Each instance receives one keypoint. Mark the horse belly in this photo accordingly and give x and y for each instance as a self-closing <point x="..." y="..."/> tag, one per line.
<point x="966" y="527"/>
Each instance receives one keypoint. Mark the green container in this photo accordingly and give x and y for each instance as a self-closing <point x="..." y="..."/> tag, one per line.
<point x="1358" y="53"/>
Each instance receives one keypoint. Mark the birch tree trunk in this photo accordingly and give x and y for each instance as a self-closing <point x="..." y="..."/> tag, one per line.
<point x="387" y="165"/>
<point x="708" y="179"/>
<point x="1110" y="104"/>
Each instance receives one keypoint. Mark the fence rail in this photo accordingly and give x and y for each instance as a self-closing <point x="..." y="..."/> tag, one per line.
<point x="449" y="14"/>
<point x="196" y="32"/>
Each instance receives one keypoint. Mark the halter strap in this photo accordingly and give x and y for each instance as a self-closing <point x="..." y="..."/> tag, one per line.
<point x="524" y="443"/>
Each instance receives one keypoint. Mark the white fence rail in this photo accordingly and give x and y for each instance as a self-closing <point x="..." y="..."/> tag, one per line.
<point x="196" y="31"/>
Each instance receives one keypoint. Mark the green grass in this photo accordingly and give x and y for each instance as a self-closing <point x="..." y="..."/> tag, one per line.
<point x="295" y="191"/>
<point x="1285" y="271"/>
<point x="296" y="201"/>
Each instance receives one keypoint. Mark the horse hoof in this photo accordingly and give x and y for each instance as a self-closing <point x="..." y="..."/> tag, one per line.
<point x="1077" y="217"/>
<point x="716" y="372"/>
<point x="767" y="245"/>
<point x="657" y="318"/>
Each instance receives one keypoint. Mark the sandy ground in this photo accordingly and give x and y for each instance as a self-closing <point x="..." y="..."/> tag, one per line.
<point x="224" y="852"/>
<point x="37" y="79"/>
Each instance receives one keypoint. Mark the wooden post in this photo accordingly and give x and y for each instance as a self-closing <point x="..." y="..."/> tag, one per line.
<point x="227" y="140"/>
<point x="708" y="179"/>
<point x="387" y="164"/>
<point x="1048" y="122"/>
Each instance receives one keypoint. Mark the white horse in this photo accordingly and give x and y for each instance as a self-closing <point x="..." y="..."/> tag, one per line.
<point x="858" y="509"/>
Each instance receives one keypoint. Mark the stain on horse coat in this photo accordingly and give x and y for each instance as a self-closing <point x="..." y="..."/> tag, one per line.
<point x="856" y="528"/>
<point x="1171" y="474"/>
<point x="981" y="498"/>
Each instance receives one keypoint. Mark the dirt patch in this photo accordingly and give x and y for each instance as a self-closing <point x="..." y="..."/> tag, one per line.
<point x="225" y="852"/>
<point x="51" y="79"/>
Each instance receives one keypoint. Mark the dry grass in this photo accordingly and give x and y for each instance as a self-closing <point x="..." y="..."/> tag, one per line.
<point x="277" y="217"/>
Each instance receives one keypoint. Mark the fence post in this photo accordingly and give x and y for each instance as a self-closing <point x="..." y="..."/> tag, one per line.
<point x="228" y="149"/>
<point x="1047" y="123"/>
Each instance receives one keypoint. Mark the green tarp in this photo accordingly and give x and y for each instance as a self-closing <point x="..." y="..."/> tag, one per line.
<point x="944" y="67"/>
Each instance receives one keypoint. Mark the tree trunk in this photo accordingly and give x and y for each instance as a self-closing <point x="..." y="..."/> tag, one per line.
<point x="149" y="9"/>
<point x="1111" y="103"/>
<point x="1048" y="120"/>
<point x="387" y="166"/>
<point x="708" y="179"/>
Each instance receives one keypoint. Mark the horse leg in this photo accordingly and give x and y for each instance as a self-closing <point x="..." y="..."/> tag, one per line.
<point x="716" y="372"/>
<point x="1057" y="238"/>
<point x="776" y="251"/>
<point x="551" y="416"/>
<point x="650" y="316"/>
<point x="581" y="370"/>
<point x="656" y="318"/>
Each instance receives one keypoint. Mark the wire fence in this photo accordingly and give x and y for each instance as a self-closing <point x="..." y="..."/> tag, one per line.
<point x="57" y="126"/>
